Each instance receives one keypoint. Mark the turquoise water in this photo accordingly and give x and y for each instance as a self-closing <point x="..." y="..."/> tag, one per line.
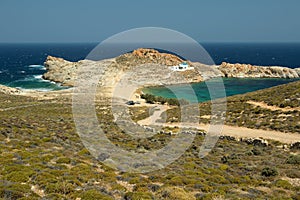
<point x="232" y="86"/>
<point x="35" y="82"/>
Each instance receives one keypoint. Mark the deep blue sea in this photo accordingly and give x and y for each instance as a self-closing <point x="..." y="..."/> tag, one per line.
<point x="21" y="65"/>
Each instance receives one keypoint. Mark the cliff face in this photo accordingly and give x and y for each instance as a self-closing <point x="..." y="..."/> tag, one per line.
<point x="60" y="70"/>
<point x="152" y="68"/>
<point x="251" y="71"/>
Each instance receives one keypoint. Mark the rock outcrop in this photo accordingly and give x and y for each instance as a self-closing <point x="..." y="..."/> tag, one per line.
<point x="60" y="70"/>
<point x="154" y="56"/>
<point x="252" y="71"/>
<point x="9" y="90"/>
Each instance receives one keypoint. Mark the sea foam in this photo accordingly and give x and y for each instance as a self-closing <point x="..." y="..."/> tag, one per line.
<point x="41" y="67"/>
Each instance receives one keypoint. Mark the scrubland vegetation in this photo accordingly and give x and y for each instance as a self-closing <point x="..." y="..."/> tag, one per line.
<point x="43" y="157"/>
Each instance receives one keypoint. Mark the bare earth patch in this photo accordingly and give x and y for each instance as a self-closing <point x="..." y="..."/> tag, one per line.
<point x="235" y="131"/>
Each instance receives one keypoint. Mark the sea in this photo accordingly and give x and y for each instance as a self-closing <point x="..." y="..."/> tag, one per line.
<point x="22" y="65"/>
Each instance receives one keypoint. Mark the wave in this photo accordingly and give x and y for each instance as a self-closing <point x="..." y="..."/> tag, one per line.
<point x="39" y="78"/>
<point x="41" y="67"/>
<point x="35" y="82"/>
<point x="36" y="89"/>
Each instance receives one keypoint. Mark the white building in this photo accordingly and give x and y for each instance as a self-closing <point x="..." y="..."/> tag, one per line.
<point x="181" y="67"/>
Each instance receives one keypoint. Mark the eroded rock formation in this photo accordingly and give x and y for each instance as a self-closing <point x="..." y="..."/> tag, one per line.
<point x="252" y="71"/>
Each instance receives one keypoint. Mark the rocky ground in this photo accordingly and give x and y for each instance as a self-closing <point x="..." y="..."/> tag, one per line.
<point x="252" y="71"/>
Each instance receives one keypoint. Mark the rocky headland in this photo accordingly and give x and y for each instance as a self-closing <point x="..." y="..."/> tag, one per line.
<point x="64" y="72"/>
<point x="148" y="66"/>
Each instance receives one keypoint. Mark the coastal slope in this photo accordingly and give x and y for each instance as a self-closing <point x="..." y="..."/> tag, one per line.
<point x="42" y="156"/>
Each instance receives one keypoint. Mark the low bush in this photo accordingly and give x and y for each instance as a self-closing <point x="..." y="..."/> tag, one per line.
<point x="63" y="160"/>
<point x="283" y="184"/>
<point x="159" y="99"/>
<point x="138" y="196"/>
<point x="174" y="193"/>
<point x="269" y="171"/>
<point x="94" y="194"/>
<point x="293" y="159"/>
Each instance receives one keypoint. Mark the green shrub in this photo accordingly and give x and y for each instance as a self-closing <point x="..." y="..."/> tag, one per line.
<point x="19" y="176"/>
<point x="64" y="160"/>
<point x="54" y="196"/>
<point x="293" y="159"/>
<point x="149" y="98"/>
<point x="138" y="196"/>
<point x="293" y="173"/>
<point x="9" y="194"/>
<point x="174" y="193"/>
<point x="173" y="102"/>
<point x="256" y="151"/>
<point x="283" y="184"/>
<point x="59" y="187"/>
<point x="223" y="167"/>
<point x="160" y="99"/>
<point x="269" y="171"/>
<point x="177" y="180"/>
<point x="118" y="187"/>
<point x="84" y="152"/>
<point x="94" y="194"/>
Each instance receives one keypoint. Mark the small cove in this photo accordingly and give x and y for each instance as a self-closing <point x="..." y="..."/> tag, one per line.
<point x="233" y="86"/>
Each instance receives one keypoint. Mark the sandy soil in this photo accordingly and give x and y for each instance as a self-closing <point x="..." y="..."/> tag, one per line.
<point x="47" y="94"/>
<point x="238" y="132"/>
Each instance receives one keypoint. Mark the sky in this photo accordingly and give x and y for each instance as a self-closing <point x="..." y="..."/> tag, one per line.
<point x="203" y="20"/>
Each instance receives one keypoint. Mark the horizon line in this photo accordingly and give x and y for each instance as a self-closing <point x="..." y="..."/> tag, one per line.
<point x="201" y="42"/>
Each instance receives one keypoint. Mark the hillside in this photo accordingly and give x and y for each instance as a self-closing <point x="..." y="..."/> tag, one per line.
<point x="43" y="157"/>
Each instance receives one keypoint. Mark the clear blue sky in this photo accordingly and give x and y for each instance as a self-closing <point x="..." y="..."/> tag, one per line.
<point x="203" y="20"/>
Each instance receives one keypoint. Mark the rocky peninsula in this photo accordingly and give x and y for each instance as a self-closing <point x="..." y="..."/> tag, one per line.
<point x="64" y="72"/>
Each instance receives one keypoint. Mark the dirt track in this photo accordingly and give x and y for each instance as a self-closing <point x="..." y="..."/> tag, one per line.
<point x="238" y="132"/>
